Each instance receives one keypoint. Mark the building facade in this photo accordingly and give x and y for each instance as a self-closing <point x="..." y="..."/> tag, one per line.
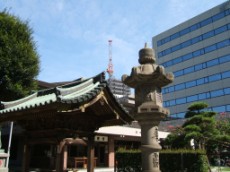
<point x="197" y="52"/>
<point x="118" y="88"/>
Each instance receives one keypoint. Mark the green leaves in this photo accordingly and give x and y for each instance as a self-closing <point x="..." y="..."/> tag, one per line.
<point x="197" y="106"/>
<point x="201" y="127"/>
<point x="19" y="61"/>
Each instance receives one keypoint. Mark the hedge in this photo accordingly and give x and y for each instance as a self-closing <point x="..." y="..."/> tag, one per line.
<point x="170" y="161"/>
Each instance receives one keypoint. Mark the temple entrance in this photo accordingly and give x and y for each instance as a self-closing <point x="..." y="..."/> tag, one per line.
<point x="56" y="118"/>
<point x="101" y="152"/>
<point x="76" y="155"/>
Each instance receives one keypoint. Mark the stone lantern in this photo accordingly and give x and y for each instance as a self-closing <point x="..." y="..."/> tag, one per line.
<point x="148" y="79"/>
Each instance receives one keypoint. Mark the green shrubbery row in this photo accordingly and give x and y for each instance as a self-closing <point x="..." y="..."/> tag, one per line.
<point x="170" y="161"/>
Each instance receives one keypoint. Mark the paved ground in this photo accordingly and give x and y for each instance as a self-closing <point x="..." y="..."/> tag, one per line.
<point x="216" y="169"/>
<point x="97" y="170"/>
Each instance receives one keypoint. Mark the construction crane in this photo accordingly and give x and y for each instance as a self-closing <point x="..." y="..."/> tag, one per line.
<point x="110" y="65"/>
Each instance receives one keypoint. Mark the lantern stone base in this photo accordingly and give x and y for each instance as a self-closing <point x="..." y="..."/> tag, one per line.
<point x="149" y="117"/>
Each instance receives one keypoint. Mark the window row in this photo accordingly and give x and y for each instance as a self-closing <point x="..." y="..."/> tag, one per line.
<point x="197" y="97"/>
<point x="201" y="66"/>
<point x="197" y="53"/>
<point x="218" y="109"/>
<point x="194" y="27"/>
<point x="194" y="40"/>
<point x="200" y="81"/>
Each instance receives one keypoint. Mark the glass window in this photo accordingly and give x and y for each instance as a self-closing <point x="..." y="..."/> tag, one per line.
<point x="206" y="22"/>
<point x="208" y="34"/>
<point x="184" y="31"/>
<point x="200" y="81"/>
<point x="198" y="53"/>
<point x="169" y="63"/>
<point x="219" y="109"/>
<point x="212" y="63"/>
<point x="175" y="48"/>
<point x="204" y="65"/>
<point x="224" y="59"/>
<point x="189" y="70"/>
<point x="225" y="74"/>
<point x="227" y="12"/>
<point x="163" y="41"/>
<point x="178" y="73"/>
<point x="167" y="39"/>
<point x="171" y="89"/>
<point x="227" y="91"/>
<point x="206" y="79"/>
<point x="175" y="35"/>
<point x="223" y="43"/>
<point x="217" y="93"/>
<point x="172" y="102"/>
<point x="165" y="90"/>
<point x="160" y="54"/>
<point x="218" y="16"/>
<point x="198" y="67"/>
<point x="196" y="39"/>
<point x="187" y="56"/>
<point x="167" y="51"/>
<point x="202" y="96"/>
<point x="228" y="108"/>
<point x="180" y="101"/>
<point x="210" y="48"/>
<point x="215" y="77"/>
<point x="180" y="115"/>
<point x="163" y="64"/>
<point x="190" y="84"/>
<point x="177" y="60"/>
<point x="192" y="98"/>
<point x="186" y="44"/>
<point x="159" y="43"/>
<point x="179" y="87"/>
<point x="221" y="29"/>
<point x="194" y="27"/>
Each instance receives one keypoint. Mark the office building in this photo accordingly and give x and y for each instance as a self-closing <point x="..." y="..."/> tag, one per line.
<point x="197" y="51"/>
<point x="118" y="88"/>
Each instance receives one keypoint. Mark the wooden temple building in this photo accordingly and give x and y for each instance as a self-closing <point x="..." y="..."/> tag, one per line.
<point x="63" y="116"/>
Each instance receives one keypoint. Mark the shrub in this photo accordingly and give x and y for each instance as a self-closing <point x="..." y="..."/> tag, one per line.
<point x="170" y="161"/>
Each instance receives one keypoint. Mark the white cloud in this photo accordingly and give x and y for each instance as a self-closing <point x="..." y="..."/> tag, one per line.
<point x="72" y="35"/>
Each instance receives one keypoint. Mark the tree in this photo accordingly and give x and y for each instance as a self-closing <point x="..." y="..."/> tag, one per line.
<point x="19" y="61"/>
<point x="200" y="126"/>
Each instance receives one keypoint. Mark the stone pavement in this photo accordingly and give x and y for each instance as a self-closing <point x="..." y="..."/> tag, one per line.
<point x="216" y="169"/>
<point x="98" y="170"/>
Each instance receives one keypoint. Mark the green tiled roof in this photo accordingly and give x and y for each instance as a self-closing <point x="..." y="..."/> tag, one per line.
<point x="79" y="107"/>
<point x="35" y="101"/>
<point x="75" y="92"/>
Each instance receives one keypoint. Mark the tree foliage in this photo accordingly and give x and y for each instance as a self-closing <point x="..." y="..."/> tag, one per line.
<point x="199" y="127"/>
<point x="19" y="61"/>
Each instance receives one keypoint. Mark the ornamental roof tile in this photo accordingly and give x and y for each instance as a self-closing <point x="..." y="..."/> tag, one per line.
<point x="74" y="92"/>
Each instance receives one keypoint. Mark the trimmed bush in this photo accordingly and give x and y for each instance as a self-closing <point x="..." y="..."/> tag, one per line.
<point x="170" y="161"/>
<point x="128" y="160"/>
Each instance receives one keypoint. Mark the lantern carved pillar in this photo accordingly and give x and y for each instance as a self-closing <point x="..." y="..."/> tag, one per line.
<point x="148" y="80"/>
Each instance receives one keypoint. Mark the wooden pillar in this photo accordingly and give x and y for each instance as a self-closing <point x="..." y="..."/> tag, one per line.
<point x="111" y="155"/>
<point x="60" y="157"/>
<point x="65" y="157"/>
<point x="26" y="158"/>
<point x="90" y="156"/>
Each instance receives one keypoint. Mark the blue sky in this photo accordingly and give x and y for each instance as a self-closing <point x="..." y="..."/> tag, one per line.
<point x="72" y="35"/>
